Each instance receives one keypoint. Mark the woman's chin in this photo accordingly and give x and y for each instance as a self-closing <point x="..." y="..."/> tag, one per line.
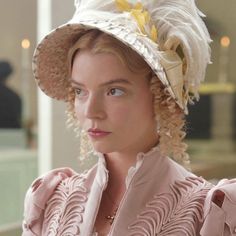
<point x="103" y="148"/>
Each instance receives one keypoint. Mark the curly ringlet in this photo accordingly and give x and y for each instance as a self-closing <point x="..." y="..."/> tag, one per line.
<point x="169" y="116"/>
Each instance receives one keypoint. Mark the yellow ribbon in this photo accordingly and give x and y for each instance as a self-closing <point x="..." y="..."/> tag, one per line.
<point x="141" y="16"/>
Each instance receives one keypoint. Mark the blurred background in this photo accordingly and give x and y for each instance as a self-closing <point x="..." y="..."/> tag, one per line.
<point x="33" y="135"/>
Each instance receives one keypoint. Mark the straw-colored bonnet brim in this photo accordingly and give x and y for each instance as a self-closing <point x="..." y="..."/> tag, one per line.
<point x="50" y="62"/>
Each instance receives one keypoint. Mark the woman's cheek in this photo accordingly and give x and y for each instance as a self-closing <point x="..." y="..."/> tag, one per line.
<point x="120" y="114"/>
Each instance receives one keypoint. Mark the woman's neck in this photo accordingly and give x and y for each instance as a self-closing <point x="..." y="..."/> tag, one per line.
<point x="118" y="164"/>
<point x="118" y="169"/>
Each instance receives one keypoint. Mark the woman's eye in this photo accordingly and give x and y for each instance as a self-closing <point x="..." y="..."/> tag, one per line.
<point x="115" y="92"/>
<point x="79" y="92"/>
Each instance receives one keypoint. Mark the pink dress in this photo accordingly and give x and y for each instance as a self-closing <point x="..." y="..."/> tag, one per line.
<point x="161" y="198"/>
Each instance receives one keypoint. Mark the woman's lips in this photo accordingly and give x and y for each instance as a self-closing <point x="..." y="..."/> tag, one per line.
<point x="96" y="133"/>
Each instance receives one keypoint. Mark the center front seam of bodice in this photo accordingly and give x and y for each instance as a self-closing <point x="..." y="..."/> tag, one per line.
<point x="134" y="168"/>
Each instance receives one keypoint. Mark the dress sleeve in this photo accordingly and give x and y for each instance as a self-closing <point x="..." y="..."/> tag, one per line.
<point x="36" y="198"/>
<point x="220" y="210"/>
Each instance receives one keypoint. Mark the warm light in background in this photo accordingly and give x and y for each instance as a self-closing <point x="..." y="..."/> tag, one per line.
<point x="225" y="41"/>
<point x="25" y="43"/>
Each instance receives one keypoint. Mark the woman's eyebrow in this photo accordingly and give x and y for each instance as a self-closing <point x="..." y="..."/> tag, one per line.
<point x="76" y="82"/>
<point x="116" y="81"/>
<point x="110" y="82"/>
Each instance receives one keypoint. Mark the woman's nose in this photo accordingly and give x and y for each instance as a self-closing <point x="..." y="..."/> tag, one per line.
<point x="94" y="108"/>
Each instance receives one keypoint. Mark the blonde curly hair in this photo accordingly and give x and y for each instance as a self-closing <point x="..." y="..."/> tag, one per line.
<point x="170" y="118"/>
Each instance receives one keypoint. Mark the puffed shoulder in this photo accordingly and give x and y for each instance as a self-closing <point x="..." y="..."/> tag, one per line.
<point x="37" y="196"/>
<point x="220" y="209"/>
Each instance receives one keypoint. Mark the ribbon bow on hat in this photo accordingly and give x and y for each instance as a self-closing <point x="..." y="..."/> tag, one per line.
<point x="173" y="66"/>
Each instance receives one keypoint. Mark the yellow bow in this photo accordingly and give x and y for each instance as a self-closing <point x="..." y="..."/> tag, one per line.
<point x="141" y="16"/>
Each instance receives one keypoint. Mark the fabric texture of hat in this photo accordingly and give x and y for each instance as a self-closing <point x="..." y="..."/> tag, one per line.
<point x="169" y="34"/>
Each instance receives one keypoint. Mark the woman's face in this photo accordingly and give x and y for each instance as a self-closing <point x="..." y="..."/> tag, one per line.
<point x="113" y="104"/>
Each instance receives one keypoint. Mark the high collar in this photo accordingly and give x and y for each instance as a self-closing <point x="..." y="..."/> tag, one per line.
<point x="141" y="157"/>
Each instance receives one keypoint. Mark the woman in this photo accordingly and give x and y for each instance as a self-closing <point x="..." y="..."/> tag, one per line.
<point x="127" y="71"/>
